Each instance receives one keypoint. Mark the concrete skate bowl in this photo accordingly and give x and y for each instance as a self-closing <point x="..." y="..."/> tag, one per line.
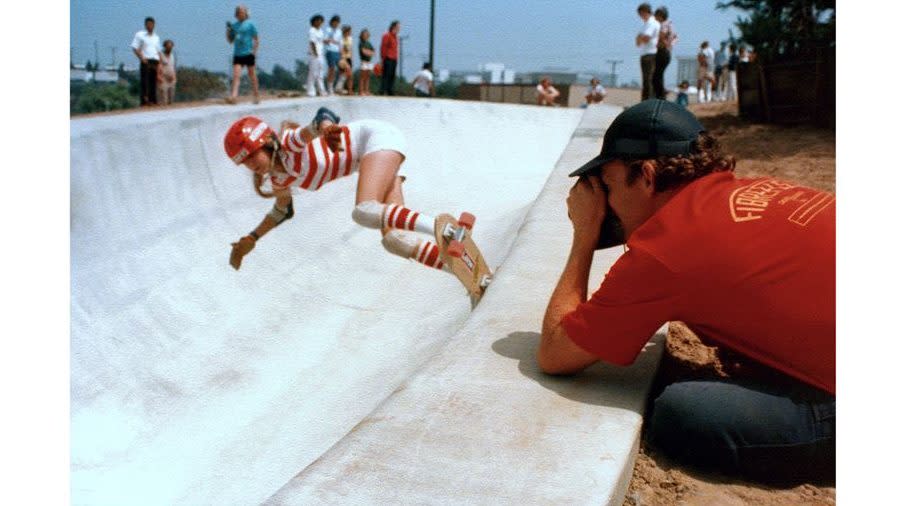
<point x="192" y="383"/>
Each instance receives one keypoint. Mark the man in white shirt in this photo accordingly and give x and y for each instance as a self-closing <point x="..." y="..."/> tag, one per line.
<point x="647" y="40"/>
<point x="424" y="82"/>
<point x="146" y="47"/>
<point x="316" y="56"/>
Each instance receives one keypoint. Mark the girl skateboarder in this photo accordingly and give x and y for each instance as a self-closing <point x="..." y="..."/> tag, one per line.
<point x="321" y="152"/>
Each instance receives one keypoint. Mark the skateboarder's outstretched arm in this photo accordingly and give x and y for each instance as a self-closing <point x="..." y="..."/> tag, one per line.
<point x="281" y="211"/>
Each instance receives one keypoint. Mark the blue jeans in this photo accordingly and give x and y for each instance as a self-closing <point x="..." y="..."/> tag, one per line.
<point x="777" y="434"/>
<point x="332" y="58"/>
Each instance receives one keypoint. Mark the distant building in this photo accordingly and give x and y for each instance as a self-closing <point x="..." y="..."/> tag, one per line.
<point x="106" y="76"/>
<point x="687" y="69"/>
<point x="109" y="74"/>
<point x="497" y="73"/>
<point x="80" y="74"/>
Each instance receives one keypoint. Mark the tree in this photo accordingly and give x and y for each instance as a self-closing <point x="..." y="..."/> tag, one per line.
<point x="199" y="84"/>
<point x="101" y="97"/>
<point x="279" y="79"/>
<point x="785" y="29"/>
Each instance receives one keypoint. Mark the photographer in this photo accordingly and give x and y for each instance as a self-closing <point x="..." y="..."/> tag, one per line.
<point x="748" y="264"/>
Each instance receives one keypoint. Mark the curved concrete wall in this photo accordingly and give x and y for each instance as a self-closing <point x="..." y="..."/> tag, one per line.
<point x="479" y="423"/>
<point x="195" y="384"/>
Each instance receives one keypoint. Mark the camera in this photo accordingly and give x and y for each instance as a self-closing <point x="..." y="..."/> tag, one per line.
<point x="611" y="232"/>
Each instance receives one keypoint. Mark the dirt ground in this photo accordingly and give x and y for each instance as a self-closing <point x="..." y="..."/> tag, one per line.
<point x="805" y="155"/>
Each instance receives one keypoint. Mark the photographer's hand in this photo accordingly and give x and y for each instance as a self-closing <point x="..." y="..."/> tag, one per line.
<point x="587" y="209"/>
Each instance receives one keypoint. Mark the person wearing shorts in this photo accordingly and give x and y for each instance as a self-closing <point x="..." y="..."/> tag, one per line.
<point x="245" y="38"/>
<point x="366" y="53"/>
<point x="345" y="81"/>
<point x="305" y="159"/>
<point x="333" y="37"/>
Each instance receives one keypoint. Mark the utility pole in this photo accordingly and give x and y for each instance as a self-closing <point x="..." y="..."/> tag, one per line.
<point x="431" y="40"/>
<point x="96" y="53"/>
<point x="113" y="55"/>
<point x="614" y="63"/>
<point x="401" y="39"/>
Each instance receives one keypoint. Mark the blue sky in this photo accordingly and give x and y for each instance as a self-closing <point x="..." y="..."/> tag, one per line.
<point x="526" y="35"/>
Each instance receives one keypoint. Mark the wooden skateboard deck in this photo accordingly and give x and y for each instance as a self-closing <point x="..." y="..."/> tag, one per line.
<point x="461" y="254"/>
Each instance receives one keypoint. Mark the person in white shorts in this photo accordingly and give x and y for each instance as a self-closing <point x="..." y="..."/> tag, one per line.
<point x="366" y="52"/>
<point x="311" y="156"/>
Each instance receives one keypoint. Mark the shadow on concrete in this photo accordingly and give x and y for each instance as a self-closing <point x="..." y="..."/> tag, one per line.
<point x="601" y="384"/>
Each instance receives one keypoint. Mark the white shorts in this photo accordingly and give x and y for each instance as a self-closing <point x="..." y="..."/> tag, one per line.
<point x="368" y="65"/>
<point x="370" y="135"/>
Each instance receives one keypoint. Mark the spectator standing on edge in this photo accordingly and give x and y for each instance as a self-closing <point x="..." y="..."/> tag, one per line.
<point x="667" y="38"/>
<point x="705" y="77"/>
<point x="424" y="82"/>
<point x="749" y="264"/>
<point x="146" y="47"/>
<point x="366" y="52"/>
<point x="245" y="38"/>
<point x="346" y="61"/>
<point x="596" y="92"/>
<point x="720" y="68"/>
<point x="389" y="56"/>
<point x="165" y="74"/>
<point x="546" y="92"/>
<point x="647" y="41"/>
<point x="316" y="56"/>
<point x="333" y="36"/>
<point x="732" y="63"/>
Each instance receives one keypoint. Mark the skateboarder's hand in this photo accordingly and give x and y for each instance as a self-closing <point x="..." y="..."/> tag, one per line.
<point x="332" y="135"/>
<point x="241" y="248"/>
<point x="587" y="207"/>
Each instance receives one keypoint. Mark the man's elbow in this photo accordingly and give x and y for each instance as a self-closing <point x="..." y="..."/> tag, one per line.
<point x="552" y="363"/>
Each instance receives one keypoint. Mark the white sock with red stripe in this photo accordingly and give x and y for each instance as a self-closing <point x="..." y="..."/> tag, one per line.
<point x="397" y="216"/>
<point x="408" y="245"/>
<point x="428" y="254"/>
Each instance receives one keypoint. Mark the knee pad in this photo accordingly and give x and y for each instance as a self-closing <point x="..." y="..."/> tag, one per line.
<point x="401" y="243"/>
<point x="369" y="213"/>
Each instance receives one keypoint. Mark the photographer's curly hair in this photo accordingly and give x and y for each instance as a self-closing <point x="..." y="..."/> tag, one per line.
<point x="675" y="171"/>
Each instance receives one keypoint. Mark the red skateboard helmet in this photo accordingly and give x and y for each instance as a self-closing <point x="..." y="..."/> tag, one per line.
<point x="245" y="137"/>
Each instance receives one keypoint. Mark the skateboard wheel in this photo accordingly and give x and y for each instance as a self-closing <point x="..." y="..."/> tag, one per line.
<point x="466" y="220"/>
<point x="455" y="249"/>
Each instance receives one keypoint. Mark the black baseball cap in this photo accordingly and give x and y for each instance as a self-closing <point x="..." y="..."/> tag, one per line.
<point x="647" y="130"/>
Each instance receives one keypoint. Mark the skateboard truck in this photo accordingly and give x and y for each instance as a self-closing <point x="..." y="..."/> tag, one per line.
<point x="461" y="253"/>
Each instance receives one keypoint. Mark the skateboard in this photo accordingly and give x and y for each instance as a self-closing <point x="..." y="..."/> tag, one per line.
<point x="460" y="253"/>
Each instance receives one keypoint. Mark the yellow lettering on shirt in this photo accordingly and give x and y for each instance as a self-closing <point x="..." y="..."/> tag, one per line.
<point x="749" y="202"/>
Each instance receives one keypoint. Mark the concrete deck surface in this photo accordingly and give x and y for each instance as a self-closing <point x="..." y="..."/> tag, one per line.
<point x="327" y="369"/>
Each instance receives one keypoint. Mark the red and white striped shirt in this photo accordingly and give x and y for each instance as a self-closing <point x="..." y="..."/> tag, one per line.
<point x="311" y="166"/>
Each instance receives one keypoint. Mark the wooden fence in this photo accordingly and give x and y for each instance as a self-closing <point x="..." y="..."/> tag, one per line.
<point x="509" y="93"/>
<point x="790" y="92"/>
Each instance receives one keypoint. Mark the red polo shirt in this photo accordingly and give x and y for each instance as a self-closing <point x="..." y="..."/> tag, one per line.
<point x="747" y="263"/>
<point x="390" y="46"/>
